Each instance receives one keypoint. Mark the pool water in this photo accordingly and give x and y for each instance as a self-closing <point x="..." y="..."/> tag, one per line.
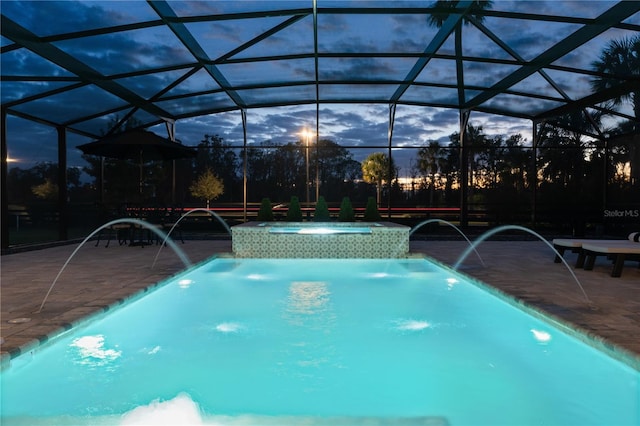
<point x="319" y="230"/>
<point x="319" y="341"/>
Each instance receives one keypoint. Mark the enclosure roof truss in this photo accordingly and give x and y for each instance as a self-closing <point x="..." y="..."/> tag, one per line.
<point x="181" y="62"/>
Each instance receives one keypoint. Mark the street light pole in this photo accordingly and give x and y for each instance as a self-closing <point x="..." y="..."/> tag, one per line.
<point x="306" y="183"/>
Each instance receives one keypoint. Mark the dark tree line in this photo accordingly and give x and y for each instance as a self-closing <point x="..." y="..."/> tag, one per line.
<point x="503" y="171"/>
<point x="279" y="171"/>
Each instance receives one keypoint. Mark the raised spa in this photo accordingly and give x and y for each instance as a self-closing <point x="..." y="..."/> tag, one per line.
<point x="376" y="240"/>
<point x="320" y="342"/>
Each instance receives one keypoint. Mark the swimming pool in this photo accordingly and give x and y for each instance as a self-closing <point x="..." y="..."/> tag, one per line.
<point x="319" y="341"/>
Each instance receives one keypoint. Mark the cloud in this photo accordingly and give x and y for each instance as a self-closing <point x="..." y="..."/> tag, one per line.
<point x="346" y="124"/>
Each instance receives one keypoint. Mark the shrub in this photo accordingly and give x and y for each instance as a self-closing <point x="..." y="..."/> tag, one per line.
<point x="346" y="211"/>
<point x="322" y="211"/>
<point x="265" y="214"/>
<point x="371" y="214"/>
<point x="207" y="187"/>
<point x="294" y="214"/>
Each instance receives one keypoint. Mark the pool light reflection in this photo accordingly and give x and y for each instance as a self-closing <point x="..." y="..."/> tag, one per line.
<point x="451" y="282"/>
<point x="541" y="336"/>
<point x="378" y="275"/>
<point x="185" y="283"/>
<point x="228" y="327"/>
<point x="256" y="277"/>
<point x="92" y="350"/>
<point x="412" y="325"/>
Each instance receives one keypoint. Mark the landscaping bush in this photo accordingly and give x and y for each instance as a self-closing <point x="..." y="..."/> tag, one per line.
<point x="321" y="213"/>
<point x="346" y="211"/>
<point x="371" y="213"/>
<point x="294" y="214"/>
<point x="265" y="214"/>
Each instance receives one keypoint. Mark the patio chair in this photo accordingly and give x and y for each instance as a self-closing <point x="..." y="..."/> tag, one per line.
<point x="619" y="251"/>
<point x="119" y="231"/>
<point x="575" y="245"/>
<point x="172" y="222"/>
<point x="164" y="219"/>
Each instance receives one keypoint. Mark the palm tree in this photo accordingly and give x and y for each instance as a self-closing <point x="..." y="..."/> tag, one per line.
<point x="429" y="164"/>
<point x="375" y="169"/>
<point x="438" y="18"/>
<point x="619" y="60"/>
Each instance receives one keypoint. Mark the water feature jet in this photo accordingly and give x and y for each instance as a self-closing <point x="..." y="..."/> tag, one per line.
<point x="200" y="209"/>
<point x="158" y="232"/>
<point x="418" y="226"/>
<point x="494" y="231"/>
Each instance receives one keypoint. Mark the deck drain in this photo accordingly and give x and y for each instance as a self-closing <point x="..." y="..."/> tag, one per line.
<point x="19" y="320"/>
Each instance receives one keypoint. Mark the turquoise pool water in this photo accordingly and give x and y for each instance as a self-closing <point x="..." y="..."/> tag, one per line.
<point x="319" y="230"/>
<point x="308" y="341"/>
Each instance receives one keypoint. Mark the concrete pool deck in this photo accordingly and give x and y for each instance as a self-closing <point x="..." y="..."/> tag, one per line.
<point x="100" y="277"/>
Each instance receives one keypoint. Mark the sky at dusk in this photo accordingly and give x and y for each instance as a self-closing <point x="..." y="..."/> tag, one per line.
<point x="357" y="124"/>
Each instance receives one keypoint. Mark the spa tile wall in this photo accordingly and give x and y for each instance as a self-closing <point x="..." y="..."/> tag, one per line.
<point x="381" y="243"/>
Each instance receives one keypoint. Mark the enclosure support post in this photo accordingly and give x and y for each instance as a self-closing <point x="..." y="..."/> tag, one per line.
<point x="4" y="216"/>
<point x="63" y="208"/>
<point x="392" y="120"/>
<point x="243" y="112"/>
<point x="464" y="170"/>
<point x="317" y="152"/>
<point x="173" y="182"/>
<point x="317" y="75"/>
<point x="171" y="131"/>
<point x="534" y="178"/>
<point x="101" y="183"/>
<point x="306" y="163"/>
<point x="605" y="177"/>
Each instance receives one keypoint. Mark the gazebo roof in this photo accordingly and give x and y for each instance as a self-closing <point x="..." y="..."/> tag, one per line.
<point x="72" y="64"/>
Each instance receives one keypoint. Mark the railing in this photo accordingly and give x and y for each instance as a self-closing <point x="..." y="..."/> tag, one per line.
<point x="281" y="210"/>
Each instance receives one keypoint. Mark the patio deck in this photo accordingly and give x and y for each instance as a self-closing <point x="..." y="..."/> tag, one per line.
<point x="99" y="277"/>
